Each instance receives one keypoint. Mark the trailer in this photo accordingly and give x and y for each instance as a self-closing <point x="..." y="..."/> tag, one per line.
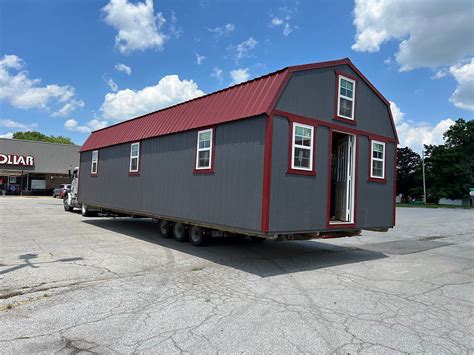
<point x="308" y="151"/>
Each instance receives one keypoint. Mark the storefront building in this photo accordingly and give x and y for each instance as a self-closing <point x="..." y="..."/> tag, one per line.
<point x="35" y="168"/>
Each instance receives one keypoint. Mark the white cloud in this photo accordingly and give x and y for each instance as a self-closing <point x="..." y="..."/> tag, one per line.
<point x="463" y="96"/>
<point x="285" y="22"/>
<point x="432" y="33"/>
<point x="276" y="21"/>
<point x="123" y="68"/>
<point x="174" y="28"/>
<point x="25" y="93"/>
<point x="138" y="28"/>
<point x="74" y="126"/>
<point x="217" y="73"/>
<point x="223" y="30"/>
<point x="168" y="91"/>
<point x="199" y="58"/>
<point x="8" y="135"/>
<point x="112" y="85"/>
<point x="243" y="49"/>
<point x="15" y="124"/>
<point x="416" y="135"/>
<point x="440" y="74"/>
<point x="239" y="75"/>
<point x="68" y="108"/>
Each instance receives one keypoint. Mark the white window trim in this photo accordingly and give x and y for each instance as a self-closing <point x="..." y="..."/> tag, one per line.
<point x="96" y="161"/>
<point x="204" y="149"/>
<point x="133" y="157"/>
<point x="372" y="159"/>
<point x="294" y="145"/>
<point x="352" y="99"/>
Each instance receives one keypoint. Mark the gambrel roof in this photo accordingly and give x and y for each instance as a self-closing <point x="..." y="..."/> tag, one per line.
<point x="251" y="98"/>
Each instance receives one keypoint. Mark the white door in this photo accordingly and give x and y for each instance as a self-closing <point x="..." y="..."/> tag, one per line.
<point x="344" y="193"/>
<point x="341" y="180"/>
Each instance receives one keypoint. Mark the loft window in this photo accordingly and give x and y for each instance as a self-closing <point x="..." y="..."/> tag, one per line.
<point x="134" y="158"/>
<point x="346" y="98"/>
<point x="302" y="147"/>
<point x="204" y="149"/>
<point x="95" y="161"/>
<point x="377" y="160"/>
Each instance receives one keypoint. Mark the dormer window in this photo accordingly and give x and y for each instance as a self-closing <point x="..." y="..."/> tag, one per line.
<point x="346" y="97"/>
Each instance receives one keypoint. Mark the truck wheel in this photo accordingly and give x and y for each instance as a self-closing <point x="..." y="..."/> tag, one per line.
<point x="164" y="228"/>
<point x="257" y="239"/>
<point x="180" y="232"/>
<point x="66" y="205"/>
<point x="196" y="236"/>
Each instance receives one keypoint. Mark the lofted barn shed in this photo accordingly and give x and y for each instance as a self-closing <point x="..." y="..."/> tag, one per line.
<point x="306" y="149"/>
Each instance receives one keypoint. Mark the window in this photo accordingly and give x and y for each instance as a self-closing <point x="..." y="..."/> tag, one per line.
<point x="204" y="150"/>
<point x="134" y="158"/>
<point x="95" y="161"/>
<point x="346" y="97"/>
<point x="302" y="147"/>
<point x="377" y="160"/>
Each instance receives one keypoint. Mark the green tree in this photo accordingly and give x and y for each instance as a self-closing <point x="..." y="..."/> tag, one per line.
<point x="408" y="166"/>
<point x="450" y="167"/>
<point x="40" y="137"/>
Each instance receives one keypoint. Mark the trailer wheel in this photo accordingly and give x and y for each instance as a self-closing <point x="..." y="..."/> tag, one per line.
<point x="85" y="211"/>
<point x="196" y="236"/>
<point x="164" y="228"/>
<point x="180" y="232"/>
<point x="66" y="205"/>
<point x="257" y="239"/>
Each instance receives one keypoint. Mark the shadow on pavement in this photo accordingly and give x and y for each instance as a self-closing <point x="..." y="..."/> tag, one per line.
<point x="263" y="259"/>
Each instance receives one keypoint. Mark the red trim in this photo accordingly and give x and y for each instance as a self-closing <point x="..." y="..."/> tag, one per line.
<point x="337" y="127"/>
<point x="376" y="179"/>
<point x="135" y="173"/>
<point x="336" y="102"/>
<point x="395" y="186"/>
<point x="210" y="170"/>
<point x="309" y="122"/>
<point x="267" y="174"/>
<point x="97" y="167"/>
<point x="356" y="184"/>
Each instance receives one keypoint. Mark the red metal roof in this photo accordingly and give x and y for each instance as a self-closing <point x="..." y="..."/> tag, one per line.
<point x="251" y="98"/>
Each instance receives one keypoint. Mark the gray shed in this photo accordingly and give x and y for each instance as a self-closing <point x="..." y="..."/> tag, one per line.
<point x="308" y="149"/>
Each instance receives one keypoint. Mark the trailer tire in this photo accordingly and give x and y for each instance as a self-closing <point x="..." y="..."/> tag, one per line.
<point x="180" y="233"/>
<point x="256" y="239"/>
<point x="164" y="228"/>
<point x="86" y="212"/>
<point x="196" y="236"/>
<point x="66" y="205"/>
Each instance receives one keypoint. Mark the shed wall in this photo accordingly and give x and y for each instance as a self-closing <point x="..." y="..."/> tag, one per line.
<point x="167" y="186"/>
<point x="312" y="93"/>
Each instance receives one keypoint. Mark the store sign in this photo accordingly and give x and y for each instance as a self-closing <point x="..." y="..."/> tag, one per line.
<point x="19" y="160"/>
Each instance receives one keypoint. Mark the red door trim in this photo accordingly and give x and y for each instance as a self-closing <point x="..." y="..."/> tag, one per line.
<point x="356" y="182"/>
<point x="267" y="175"/>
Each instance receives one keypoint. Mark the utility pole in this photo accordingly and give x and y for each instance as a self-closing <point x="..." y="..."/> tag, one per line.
<point x="423" y="169"/>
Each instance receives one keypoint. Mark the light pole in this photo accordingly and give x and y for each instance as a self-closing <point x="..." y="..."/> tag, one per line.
<point x="423" y="169"/>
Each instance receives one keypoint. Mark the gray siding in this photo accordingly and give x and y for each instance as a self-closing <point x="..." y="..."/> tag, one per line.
<point x="166" y="185"/>
<point x="49" y="157"/>
<point x="298" y="202"/>
<point x="375" y="199"/>
<point x="312" y="93"/>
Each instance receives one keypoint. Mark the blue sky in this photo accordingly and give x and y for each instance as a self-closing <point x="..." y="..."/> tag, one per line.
<point x="58" y="59"/>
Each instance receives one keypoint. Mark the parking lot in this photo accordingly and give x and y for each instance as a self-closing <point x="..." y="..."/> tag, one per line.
<point x="72" y="284"/>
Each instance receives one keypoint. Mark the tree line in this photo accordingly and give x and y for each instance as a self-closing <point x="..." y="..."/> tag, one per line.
<point x="449" y="167"/>
<point x="40" y="137"/>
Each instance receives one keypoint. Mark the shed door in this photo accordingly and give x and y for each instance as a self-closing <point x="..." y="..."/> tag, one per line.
<point x="341" y="179"/>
